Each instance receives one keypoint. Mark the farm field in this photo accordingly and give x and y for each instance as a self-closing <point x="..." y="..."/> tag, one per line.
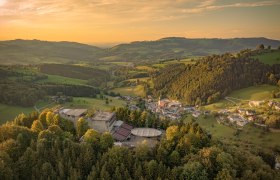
<point x="249" y="134"/>
<point x="185" y="61"/>
<point x="269" y="58"/>
<point x="262" y="92"/>
<point x="63" y="80"/>
<point x="8" y="112"/>
<point x="131" y="91"/>
<point x="94" y="103"/>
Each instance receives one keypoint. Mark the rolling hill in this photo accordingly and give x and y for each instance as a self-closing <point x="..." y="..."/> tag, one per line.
<point x="177" y="47"/>
<point x="35" y="51"/>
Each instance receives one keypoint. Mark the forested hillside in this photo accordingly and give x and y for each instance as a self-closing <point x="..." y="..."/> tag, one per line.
<point x="21" y="86"/>
<point x="35" y="51"/>
<point x="212" y="77"/>
<point x="44" y="146"/>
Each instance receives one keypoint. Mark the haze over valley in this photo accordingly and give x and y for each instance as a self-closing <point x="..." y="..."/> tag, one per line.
<point x="191" y="92"/>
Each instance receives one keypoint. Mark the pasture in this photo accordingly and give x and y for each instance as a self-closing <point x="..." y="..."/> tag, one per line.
<point x="269" y="58"/>
<point x="94" y="103"/>
<point x="9" y="112"/>
<point x="63" y="80"/>
<point x="249" y="135"/>
<point x="261" y="92"/>
<point x="131" y="90"/>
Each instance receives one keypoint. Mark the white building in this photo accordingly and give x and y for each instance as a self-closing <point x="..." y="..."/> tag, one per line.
<point x="72" y="114"/>
<point x="102" y="121"/>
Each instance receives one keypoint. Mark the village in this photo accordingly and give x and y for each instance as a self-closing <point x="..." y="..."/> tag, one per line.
<point x="241" y="116"/>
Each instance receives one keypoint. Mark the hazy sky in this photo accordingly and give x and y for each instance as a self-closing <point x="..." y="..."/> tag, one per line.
<point x="104" y="21"/>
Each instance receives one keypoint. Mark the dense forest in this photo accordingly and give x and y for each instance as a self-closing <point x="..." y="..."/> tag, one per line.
<point x="212" y="77"/>
<point x="45" y="146"/>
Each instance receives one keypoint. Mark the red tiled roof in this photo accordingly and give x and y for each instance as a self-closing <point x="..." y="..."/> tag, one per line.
<point x="127" y="126"/>
<point x="118" y="137"/>
<point x="122" y="132"/>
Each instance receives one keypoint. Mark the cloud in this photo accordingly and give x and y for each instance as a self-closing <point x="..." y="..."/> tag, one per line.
<point x="106" y="12"/>
<point x="208" y="5"/>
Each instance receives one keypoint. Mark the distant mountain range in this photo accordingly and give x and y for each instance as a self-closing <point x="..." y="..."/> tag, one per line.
<point x="36" y="51"/>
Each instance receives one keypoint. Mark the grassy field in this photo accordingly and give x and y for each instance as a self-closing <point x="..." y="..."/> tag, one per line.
<point x="8" y="112"/>
<point x="131" y="91"/>
<point x="249" y="134"/>
<point x="94" y="103"/>
<point x="185" y="61"/>
<point x="145" y="68"/>
<point x="262" y="92"/>
<point x="63" y="80"/>
<point x="269" y="58"/>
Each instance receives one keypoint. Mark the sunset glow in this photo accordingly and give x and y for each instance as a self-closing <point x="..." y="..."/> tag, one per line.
<point x="108" y="21"/>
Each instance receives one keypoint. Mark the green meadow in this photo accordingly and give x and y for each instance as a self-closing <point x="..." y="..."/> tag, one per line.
<point x="261" y="92"/>
<point x="248" y="135"/>
<point x="269" y="58"/>
<point x="8" y="112"/>
<point x="94" y="103"/>
<point x="131" y="90"/>
<point x="63" y="80"/>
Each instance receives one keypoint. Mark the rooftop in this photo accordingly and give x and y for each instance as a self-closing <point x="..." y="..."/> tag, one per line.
<point x="146" y="132"/>
<point x="123" y="132"/>
<point x="74" y="112"/>
<point x="103" y="116"/>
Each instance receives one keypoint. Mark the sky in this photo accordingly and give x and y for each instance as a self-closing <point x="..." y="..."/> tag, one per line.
<point x="115" y="21"/>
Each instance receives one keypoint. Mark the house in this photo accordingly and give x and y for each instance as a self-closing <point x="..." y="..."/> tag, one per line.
<point x="241" y="122"/>
<point x="270" y="103"/>
<point x="277" y="162"/>
<point x="236" y="118"/>
<point x="196" y="114"/>
<point x="102" y="121"/>
<point x="252" y="118"/>
<point x="277" y="106"/>
<point x="224" y="111"/>
<point x="242" y="111"/>
<point x="163" y="103"/>
<point x="255" y="103"/>
<point x="174" y="104"/>
<point x="250" y="112"/>
<point x="133" y="107"/>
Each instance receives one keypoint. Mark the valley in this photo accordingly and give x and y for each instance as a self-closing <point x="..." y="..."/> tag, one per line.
<point x="203" y="98"/>
<point x="140" y="90"/>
